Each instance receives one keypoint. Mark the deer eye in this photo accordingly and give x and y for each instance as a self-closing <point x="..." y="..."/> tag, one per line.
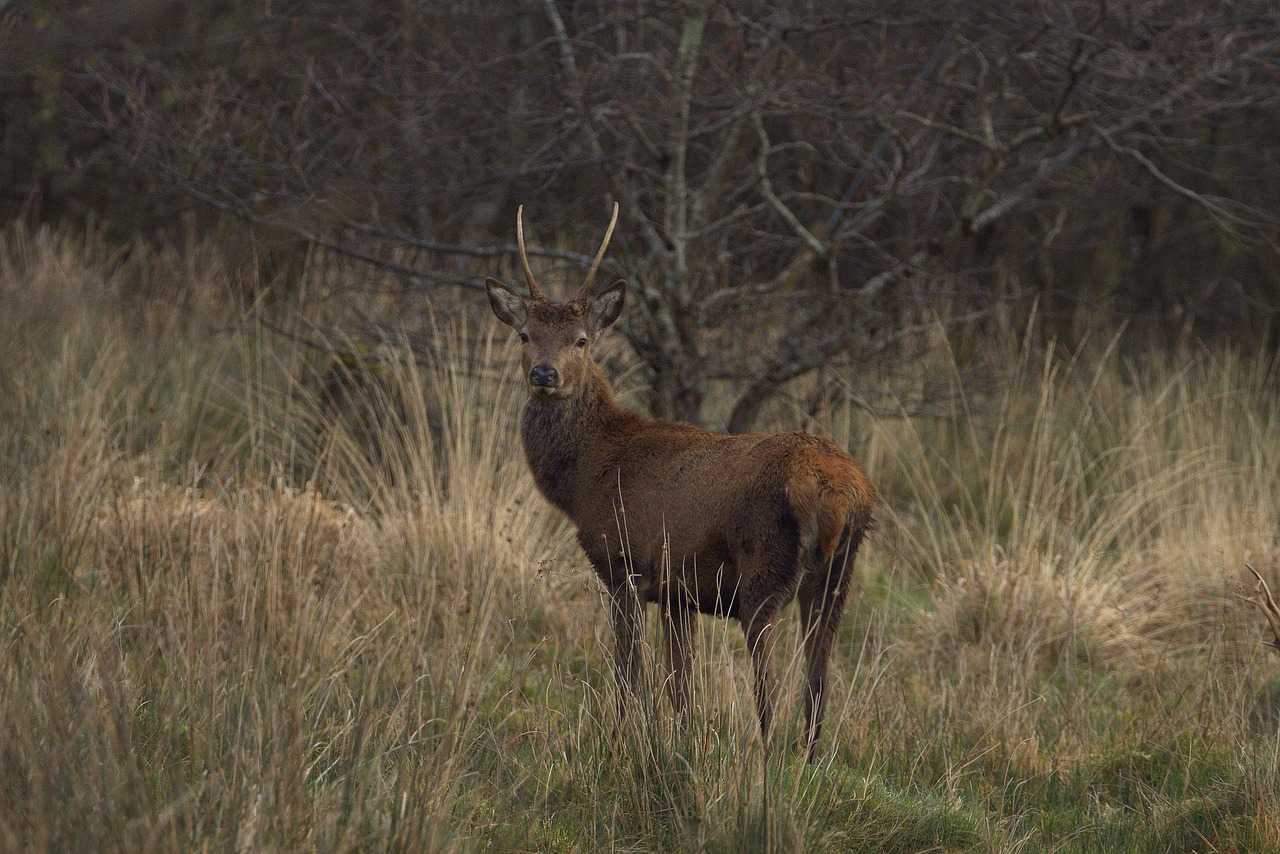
<point x="581" y="342"/>
<point x="524" y="338"/>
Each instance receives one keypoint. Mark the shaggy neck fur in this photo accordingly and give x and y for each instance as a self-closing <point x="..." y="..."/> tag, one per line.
<point x="557" y="433"/>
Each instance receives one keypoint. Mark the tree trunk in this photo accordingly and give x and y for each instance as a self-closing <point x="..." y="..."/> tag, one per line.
<point x="747" y="409"/>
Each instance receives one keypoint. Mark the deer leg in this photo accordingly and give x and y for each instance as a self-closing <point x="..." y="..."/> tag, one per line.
<point x="626" y="613"/>
<point x="758" y="625"/>
<point x="678" y="626"/>
<point x="822" y="596"/>
<point x="768" y="569"/>
<point x="819" y="625"/>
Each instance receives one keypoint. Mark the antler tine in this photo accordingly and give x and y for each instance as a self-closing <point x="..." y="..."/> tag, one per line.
<point x="534" y="290"/>
<point x="1267" y="604"/>
<point x="590" y="280"/>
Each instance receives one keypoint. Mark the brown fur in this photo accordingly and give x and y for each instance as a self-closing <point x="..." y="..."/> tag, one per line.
<point x="744" y="522"/>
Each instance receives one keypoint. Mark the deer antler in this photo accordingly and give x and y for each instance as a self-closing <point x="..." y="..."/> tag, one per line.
<point x="585" y="290"/>
<point x="534" y="290"/>
<point x="1267" y="604"/>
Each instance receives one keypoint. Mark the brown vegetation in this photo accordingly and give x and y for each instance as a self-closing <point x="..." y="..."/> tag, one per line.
<point x="201" y="650"/>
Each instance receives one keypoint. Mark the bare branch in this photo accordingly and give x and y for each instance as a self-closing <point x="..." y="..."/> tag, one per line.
<point x="472" y="250"/>
<point x="947" y="128"/>
<point x="811" y="352"/>
<point x="577" y="100"/>
<point x="1224" y="218"/>
<point x="766" y="189"/>
<point x="325" y="243"/>
<point x="1051" y="168"/>
<point x="880" y="281"/>
<point x="1266" y="603"/>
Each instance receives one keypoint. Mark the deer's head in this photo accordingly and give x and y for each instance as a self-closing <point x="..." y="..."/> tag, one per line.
<point x="556" y="337"/>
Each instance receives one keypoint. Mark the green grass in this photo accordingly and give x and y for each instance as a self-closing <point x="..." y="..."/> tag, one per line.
<point x="229" y="621"/>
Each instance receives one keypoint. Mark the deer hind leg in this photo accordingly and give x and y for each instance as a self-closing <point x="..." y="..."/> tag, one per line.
<point x="770" y="585"/>
<point x="822" y="596"/>
<point x="678" y="626"/>
<point x="760" y="627"/>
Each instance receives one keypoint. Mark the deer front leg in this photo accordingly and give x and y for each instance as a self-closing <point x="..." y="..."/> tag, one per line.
<point x="678" y="626"/>
<point x="626" y="614"/>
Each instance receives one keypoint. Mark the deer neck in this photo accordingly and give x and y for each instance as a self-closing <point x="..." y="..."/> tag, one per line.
<point x="558" y="433"/>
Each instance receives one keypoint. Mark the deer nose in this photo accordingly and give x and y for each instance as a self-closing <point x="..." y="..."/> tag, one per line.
<point x="544" y="376"/>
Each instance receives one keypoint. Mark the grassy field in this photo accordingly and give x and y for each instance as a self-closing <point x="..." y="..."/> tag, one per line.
<point x="232" y="621"/>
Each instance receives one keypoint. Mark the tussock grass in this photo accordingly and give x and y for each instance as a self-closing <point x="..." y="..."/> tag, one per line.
<point x="235" y="618"/>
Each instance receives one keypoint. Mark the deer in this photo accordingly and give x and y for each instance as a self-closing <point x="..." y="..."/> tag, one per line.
<point x="751" y="521"/>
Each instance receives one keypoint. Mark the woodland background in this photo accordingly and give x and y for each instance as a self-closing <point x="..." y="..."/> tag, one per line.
<point x="853" y="172"/>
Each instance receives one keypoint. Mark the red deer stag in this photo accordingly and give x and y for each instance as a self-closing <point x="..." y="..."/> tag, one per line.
<point x="748" y="521"/>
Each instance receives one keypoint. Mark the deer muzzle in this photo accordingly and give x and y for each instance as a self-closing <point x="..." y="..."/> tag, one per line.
<point x="544" y="377"/>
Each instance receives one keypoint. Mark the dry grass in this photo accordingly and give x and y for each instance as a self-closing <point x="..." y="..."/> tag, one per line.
<point x="228" y="622"/>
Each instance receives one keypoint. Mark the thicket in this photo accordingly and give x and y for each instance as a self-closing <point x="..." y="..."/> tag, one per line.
<point x="805" y="186"/>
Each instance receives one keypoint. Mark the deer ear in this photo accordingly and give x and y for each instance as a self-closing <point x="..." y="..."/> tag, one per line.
<point x="508" y="306"/>
<point x="606" y="306"/>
